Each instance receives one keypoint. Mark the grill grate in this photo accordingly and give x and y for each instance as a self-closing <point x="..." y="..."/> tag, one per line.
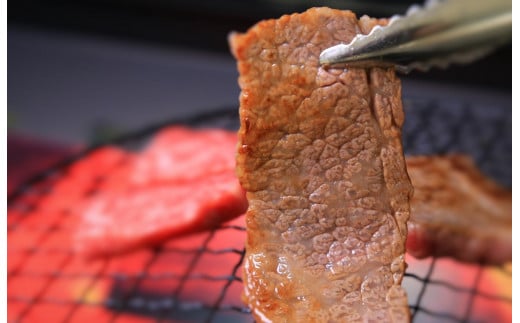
<point x="198" y="278"/>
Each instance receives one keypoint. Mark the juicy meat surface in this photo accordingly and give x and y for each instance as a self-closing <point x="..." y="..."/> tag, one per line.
<point x="321" y="160"/>
<point x="457" y="211"/>
<point x="183" y="182"/>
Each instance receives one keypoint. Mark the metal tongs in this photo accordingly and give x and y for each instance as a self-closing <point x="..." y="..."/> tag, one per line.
<point x="438" y="34"/>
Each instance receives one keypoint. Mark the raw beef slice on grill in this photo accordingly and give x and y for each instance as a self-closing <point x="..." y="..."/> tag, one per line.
<point x="182" y="154"/>
<point x="320" y="157"/>
<point x="457" y="211"/>
<point x="183" y="182"/>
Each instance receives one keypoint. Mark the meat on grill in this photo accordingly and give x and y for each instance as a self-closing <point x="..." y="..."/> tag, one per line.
<point x="457" y="211"/>
<point x="183" y="182"/>
<point x="321" y="160"/>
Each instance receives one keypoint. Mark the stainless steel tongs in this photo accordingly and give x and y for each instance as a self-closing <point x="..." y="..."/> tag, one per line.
<point x="438" y="34"/>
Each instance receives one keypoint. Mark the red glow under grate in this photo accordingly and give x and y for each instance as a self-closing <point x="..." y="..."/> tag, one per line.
<point x="198" y="278"/>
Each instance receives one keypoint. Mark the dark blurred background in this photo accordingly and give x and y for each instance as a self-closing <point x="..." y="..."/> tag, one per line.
<point x="86" y="70"/>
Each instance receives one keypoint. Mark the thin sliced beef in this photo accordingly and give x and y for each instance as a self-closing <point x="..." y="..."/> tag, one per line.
<point x="457" y="211"/>
<point x="321" y="160"/>
<point x="184" y="154"/>
<point x="120" y="222"/>
<point x="183" y="182"/>
<point x="177" y="154"/>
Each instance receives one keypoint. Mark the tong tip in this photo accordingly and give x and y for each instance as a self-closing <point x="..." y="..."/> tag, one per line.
<point x="334" y="54"/>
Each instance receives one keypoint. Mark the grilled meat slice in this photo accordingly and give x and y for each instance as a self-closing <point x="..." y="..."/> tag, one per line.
<point x="321" y="160"/>
<point x="457" y="211"/>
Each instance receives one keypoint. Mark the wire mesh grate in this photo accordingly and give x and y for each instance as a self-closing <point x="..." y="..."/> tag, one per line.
<point x="198" y="278"/>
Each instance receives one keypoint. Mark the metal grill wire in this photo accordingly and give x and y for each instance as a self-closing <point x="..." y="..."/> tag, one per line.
<point x="202" y="282"/>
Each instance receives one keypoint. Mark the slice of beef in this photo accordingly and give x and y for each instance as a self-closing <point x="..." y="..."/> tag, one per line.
<point x="184" y="154"/>
<point x="120" y="222"/>
<point x="457" y="211"/>
<point x="183" y="182"/>
<point x="178" y="154"/>
<point x="321" y="160"/>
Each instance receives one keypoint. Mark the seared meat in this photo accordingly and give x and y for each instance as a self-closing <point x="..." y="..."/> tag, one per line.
<point x="321" y="160"/>
<point x="457" y="211"/>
